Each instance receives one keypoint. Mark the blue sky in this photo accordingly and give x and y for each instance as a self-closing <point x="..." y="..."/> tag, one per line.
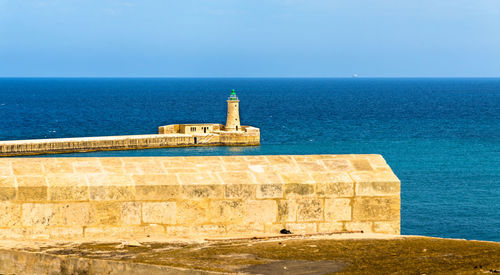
<point x="231" y="38"/>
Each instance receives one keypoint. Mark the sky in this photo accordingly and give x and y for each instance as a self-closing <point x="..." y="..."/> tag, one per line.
<point x="249" y="38"/>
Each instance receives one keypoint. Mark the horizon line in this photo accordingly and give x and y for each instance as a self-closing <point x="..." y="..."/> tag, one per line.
<point x="236" y="77"/>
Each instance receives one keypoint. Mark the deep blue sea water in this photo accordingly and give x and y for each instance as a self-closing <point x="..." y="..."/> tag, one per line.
<point x="440" y="136"/>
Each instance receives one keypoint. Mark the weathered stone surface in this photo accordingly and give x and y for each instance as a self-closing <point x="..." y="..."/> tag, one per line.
<point x="376" y="208"/>
<point x="192" y="212"/>
<point x="298" y="189"/>
<point x="159" y="212"/>
<point x="7" y="188"/>
<point x="37" y="214"/>
<point x="156" y="192"/>
<point x="67" y="187"/>
<point x="366" y="227"/>
<point x="330" y="227"/>
<point x="11" y="214"/>
<point x="226" y="211"/>
<point x="31" y="188"/>
<point x="391" y="227"/>
<point x="202" y="191"/>
<point x="237" y="191"/>
<point x="260" y="211"/>
<point x="309" y="209"/>
<point x="269" y="191"/>
<point x="337" y="209"/>
<point x="105" y="213"/>
<point x="334" y="190"/>
<point x="361" y="164"/>
<point x="131" y="213"/>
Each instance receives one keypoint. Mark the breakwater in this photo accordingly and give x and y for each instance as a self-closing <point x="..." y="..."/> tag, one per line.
<point x="131" y="142"/>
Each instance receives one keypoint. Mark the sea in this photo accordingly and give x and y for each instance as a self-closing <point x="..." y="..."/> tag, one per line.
<point x="441" y="136"/>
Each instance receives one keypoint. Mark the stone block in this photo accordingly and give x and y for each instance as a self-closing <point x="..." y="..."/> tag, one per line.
<point x="236" y="178"/>
<point x="183" y="170"/>
<point x="326" y="227"/>
<point x="162" y="179"/>
<point x="335" y="190"/>
<point x="265" y="175"/>
<point x="269" y="191"/>
<point x="338" y="164"/>
<point x="338" y="209"/>
<point x="280" y="159"/>
<point x="71" y="214"/>
<point x="377" y="161"/>
<point x="298" y="189"/>
<point x="309" y="209"/>
<point x="392" y="227"/>
<point x="105" y="187"/>
<point x="24" y="168"/>
<point x="301" y="178"/>
<point x="311" y="166"/>
<point x="236" y="166"/>
<point x="331" y="177"/>
<point x="156" y="192"/>
<point x="111" y="193"/>
<point x="378" y="189"/>
<point x="376" y="208"/>
<point x="87" y="166"/>
<point x="10" y="214"/>
<point x="142" y="165"/>
<point x="7" y="188"/>
<point x="159" y="212"/>
<point x="361" y="165"/>
<point x="198" y="179"/>
<point x="302" y="228"/>
<point x="374" y="176"/>
<point x="192" y="212"/>
<point x="239" y="191"/>
<point x="196" y="231"/>
<point x="202" y="191"/>
<point x="105" y="213"/>
<point x="58" y="166"/>
<point x="6" y="167"/>
<point x="245" y="229"/>
<point x="226" y="211"/>
<point x="131" y="213"/>
<point x="67" y="187"/>
<point x="112" y="165"/>
<point x="287" y="210"/>
<point x="37" y="214"/>
<point x="31" y="188"/>
<point x="366" y="227"/>
<point x="260" y="211"/>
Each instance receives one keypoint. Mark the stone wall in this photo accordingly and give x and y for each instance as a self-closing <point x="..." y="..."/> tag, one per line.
<point x="68" y="145"/>
<point x="162" y="197"/>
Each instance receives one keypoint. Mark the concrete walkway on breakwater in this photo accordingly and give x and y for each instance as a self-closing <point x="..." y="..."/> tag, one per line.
<point x="129" y="142"/>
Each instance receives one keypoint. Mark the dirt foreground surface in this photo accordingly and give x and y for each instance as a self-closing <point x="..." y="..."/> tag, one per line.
<point x="325" y="255"/>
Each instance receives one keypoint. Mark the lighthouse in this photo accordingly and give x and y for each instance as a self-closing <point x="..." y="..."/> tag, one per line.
<point x="233" y="113"/>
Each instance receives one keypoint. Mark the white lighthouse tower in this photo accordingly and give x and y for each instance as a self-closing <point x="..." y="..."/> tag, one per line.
<point x="233" y="113"/>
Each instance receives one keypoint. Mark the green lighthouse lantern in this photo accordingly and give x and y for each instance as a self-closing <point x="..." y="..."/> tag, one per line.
<point x="233" y="96"/>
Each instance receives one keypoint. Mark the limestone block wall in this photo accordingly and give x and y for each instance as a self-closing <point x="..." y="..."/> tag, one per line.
<point x="162" y="197"/>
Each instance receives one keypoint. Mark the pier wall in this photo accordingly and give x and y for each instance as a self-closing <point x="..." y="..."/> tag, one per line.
<point x="69" y="145"/>
<point x="166" y="197"/>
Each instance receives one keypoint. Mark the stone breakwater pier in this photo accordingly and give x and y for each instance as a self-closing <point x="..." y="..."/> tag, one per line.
<point x="175" y="135"/>
<point x="168" y="197"/>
